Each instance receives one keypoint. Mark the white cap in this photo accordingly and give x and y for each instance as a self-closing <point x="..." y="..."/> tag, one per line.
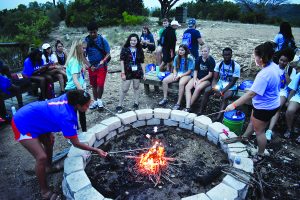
<point x="45" y="46"/>
<point x="174" y="22"/>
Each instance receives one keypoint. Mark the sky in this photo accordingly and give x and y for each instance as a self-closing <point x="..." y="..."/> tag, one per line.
<point x="10" y="4"/>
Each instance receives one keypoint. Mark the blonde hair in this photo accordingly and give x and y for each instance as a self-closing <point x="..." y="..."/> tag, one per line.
<point x="205" y="46"/>
<point x="76" y="52"/>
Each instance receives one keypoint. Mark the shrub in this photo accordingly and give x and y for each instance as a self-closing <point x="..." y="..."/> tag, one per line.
<point x="132" y="19"/>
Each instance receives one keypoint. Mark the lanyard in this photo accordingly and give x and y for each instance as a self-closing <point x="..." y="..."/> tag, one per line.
<point x="133" y="54"/>
<point x="226" y="74"/>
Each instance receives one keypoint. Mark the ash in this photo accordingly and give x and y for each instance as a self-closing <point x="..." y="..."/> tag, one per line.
<point x="116" y="177"/>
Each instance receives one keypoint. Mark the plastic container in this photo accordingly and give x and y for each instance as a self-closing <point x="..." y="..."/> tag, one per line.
<point x="13" y="110"/>
<point x="234" y="120"/>
<point x="246" y="85"/>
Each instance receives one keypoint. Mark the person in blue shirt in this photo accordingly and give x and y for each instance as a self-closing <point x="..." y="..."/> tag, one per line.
<point x="192" y="38"/>
<point x="284" y="38"/>
<point x="147" y="40"/>
<point x="98" y="53"/>
<point x="34" y="126"/>
<point x="293" y="106"/>
<point x="35" y="69"/>
<point x="265" y="97"/>
<point x="182" y="72"/>
<point x="224" y="84"/>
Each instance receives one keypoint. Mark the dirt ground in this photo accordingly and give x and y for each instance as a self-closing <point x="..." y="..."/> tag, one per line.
<point x="17" y="179"/>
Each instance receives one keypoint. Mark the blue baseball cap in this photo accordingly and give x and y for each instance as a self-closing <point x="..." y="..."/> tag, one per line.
<point x="191" y="22"/>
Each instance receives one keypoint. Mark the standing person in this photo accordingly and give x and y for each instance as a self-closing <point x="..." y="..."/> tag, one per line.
<point x="53" y="70"/>
<point x="132" y="69"/>
<point x="264" y="94"/>
<point x="202" y="77"/>
<point x="165" y="23"/>
<point x="192" y="38"/>
<point x="34" y="69"/>
<point x="168" y="43"/>
<point x="182" y="72"/>
<point x="75" y="74"/>
<point x="147" y="40"/>
<point x="284" y="38"/>
<point x="287" y="74"/>
<point x="98" y="53"/>
<point x="226" y="74"/>
<point x="293" y="106"/>
<point x="61" y="55"/>
<point x="34" y="124"/>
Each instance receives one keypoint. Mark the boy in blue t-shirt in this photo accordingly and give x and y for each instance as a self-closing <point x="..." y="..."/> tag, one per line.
<point x="192" y="38"/>
<point x="224" y="83"/>
<point x="34" y="124"/>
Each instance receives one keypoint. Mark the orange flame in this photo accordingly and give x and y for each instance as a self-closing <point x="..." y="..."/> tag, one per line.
<point x="153" y="161"/>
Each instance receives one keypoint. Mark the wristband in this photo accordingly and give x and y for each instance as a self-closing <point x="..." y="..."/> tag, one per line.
<point x="234" y="105"/>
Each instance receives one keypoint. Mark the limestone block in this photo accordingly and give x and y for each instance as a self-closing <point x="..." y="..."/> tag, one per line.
<point x="237" y="185"/>
<point x="223" y="137"/>
<point x="112" y="123"/>
<point x="190" y="118"/>
<point x="139" y="123"/>
<point x="87" y="138"/>
<point x="178" y="115"/>
<point x="88" y="193"/>
<point x="212" y="138"/>
<point x="246" y="165"/>
<point x="186" y="126"/>
<point x="200" y="196"/>
<point x="169" y="122"/>
<point x="216" y="129"/>
<point x="100" y="131"/>
<point x="200" y="131"/>
<point x="144" y="114"/>
<point x="127" y="117"/>
<point x="221" y="192"/>
<point x="242" y="154"/>
<point x="236" y="147"/>
<point x="73" y="164"/>
<point x="162" y="113"/>
<point x="153" y="121"/>
<point x="98" y="143"/>
<point x="202" y="122"/>
<point x="78" y="152"/>
<point x="77" y="180"/>
<point x="111" y="135"/>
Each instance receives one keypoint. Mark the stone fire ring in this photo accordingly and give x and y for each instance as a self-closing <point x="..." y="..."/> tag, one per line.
<point x="77" y="186"/>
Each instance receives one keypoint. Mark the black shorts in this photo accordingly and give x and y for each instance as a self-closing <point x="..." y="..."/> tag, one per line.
<point x="167" y="55"/>
<point x="264" y="115"/>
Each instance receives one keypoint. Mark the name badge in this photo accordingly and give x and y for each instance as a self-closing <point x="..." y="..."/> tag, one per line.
<point x="134" y="67"/>
<point x="20" y="76"/>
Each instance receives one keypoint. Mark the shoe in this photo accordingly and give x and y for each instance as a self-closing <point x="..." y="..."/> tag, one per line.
<point x="176" y="107"/>
<point x="119" y="109"/>
<point x="163" y="102"/>
<point x="94" y="105"/>
<point x="100" y="103"/>
<point x="287" y="134"/>
<point x="187" y="110"/>
<point x="269" y="134"/>
<point x="258" y="159"/>
<point x="136" y="106"/>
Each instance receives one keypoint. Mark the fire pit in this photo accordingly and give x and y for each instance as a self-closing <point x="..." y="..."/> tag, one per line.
<point x="155" y="154"/>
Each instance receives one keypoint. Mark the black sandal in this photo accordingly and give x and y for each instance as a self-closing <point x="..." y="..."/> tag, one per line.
<point x="257" y="159"/>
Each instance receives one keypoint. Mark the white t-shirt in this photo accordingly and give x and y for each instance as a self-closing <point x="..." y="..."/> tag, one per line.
<point x="52" y="59"/>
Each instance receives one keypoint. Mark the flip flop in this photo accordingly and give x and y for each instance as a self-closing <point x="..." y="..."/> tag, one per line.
<point x="50" y="195"/>
<point x="257" y="159"/>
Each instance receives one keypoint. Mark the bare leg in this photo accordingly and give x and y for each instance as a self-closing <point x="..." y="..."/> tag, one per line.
<point x="259" y="128"/>
<point x="198" y="90"/>
<point x="226" y="96"/>
<point x="158" y="55"/>
<point x="207" y="93"/>
<point x="290" y="114"/>
<point x="136" y="92"/>
<point x="166" y="81"/>
<point x="188" y="93"/>
<point x="250" y="130"/>
<point x="182" y="83"/>
<point x="275" y="118"/>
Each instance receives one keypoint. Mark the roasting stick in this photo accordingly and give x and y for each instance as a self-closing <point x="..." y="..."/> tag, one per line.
<point x="124" y="151"/>
<point x="215" y="113"/>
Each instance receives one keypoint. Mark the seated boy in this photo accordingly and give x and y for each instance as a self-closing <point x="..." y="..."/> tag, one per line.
<point x="226" y="74"/>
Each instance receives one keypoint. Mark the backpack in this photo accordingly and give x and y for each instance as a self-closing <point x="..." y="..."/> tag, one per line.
<point x="91" y="43"/>
<point x="187" y="40"/>
<point x="232" y="66"/>
<point x="289" y="43"/>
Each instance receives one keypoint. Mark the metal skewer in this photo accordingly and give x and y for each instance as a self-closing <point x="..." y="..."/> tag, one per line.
<point x="215" y="113"/>
<point x="123" y="151"/>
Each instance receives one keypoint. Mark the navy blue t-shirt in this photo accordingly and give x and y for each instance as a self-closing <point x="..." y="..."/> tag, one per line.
<point x="203" y="68"/>
<point x="194" y="45"/>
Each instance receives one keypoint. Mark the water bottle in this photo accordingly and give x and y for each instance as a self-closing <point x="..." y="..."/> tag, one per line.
<point x="13" y="110"/>
<point x="237" y="160"/>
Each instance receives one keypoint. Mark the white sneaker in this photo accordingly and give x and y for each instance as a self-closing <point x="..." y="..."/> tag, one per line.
<point x="269" y="134"/>
<point x="94" y="105"/>
<point x="100" y="103"/>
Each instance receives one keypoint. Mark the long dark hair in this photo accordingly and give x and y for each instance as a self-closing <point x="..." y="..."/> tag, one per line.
<point x="35" y="56"/>
<point x="265" y="51"/>
<point x="46" y="54"/>
<point x="138" y="44"/>
<point x="286" y="30"/>
<point x="78" y="97"/>
<point x="57" y="43"/>
<point x="147" y="29"/>
<point x="179" y="57"/>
